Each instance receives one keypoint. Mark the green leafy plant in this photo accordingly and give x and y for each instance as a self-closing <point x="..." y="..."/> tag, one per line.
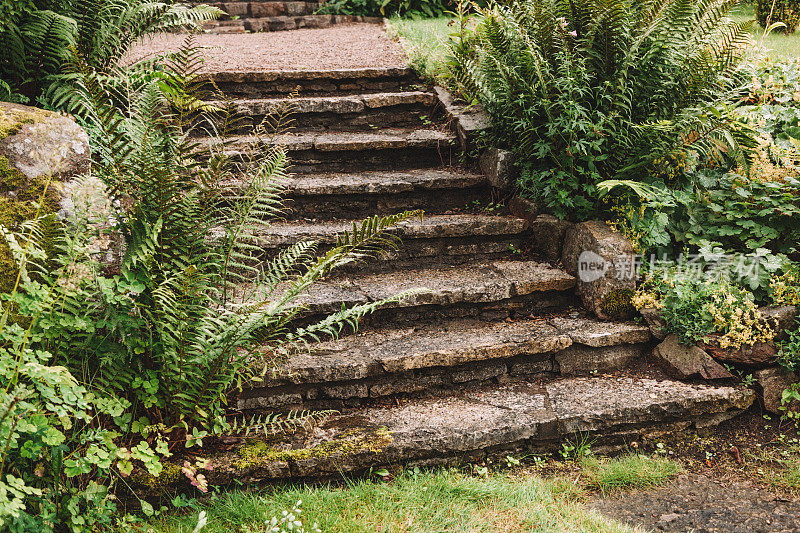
<point x="789" y="355"/>
<point x="729" y="211"/>
<point x="703" y="309"/>
<point x="588" y="91"/>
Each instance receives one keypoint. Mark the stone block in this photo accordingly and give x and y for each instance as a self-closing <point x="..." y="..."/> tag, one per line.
<point x="579" y="360"/>
<point x="294" y="9"/>
<point x="603" y="261"/>
<point x="656" y="322"/>
<point x="548" y="234"/>
<point x="469" y="121"/>
<point x="684" y="362"/>
<point x="524" y="209"/>
<point x="317" y="21"/>
<point x="267" y="9"/>
<point x="772" y="382"/>
<point x="482" y="373"/>
<point x="498" y="166"/>
<point x="235" y="9"/>
<point x="781" y="318"/>
<point x="282" y="24"/>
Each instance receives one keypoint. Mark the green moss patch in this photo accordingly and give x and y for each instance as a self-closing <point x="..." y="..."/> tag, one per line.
<point x="262" y="453"/>
<point x="618" y="304"/>
<point x="19" y="201"/>
<point x="12" y="119"/>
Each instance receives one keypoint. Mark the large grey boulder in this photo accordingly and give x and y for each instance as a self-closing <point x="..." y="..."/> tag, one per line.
<point x="38" y="143"/>
<point x="40" y="151"/>
<point x="604" y="263"/>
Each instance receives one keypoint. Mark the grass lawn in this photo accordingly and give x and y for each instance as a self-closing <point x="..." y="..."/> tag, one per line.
<point x="779" y="45"/>
<point x="437" y="501"/>
<point x="425" y="42"/>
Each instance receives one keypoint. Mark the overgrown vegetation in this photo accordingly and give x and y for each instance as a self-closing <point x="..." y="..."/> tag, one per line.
<point x="113" y="366"/>
<point x="604" y="89"/>
<point x="38" y="38"/>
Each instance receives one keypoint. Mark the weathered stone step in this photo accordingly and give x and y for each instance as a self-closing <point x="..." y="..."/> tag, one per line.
<point x="497" y="290"/>
<point x="437" y="239"/>
<point x="340" y="196"/>
<point x="529" y="417"/>
<point x="444" y="356"/>
<point x="267" y="8"/>
<point x="395" y="149"/>
<point x="340" y="113"/>
<point x="281" y="23"/>
<point x="266" y="84"/>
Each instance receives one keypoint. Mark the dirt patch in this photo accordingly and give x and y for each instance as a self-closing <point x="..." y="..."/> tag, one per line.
<point x="348" y="46"/>
<point x="733" y="481"/>
<point x="696" y="502"/>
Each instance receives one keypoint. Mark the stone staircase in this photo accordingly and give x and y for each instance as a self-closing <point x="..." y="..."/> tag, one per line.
<point x="274" y="15"/>
<point x="494" y="355"/>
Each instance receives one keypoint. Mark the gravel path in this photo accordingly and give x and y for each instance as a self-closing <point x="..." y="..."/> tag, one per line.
<point x="697" y="503"/>
<point x="338" y="47"/>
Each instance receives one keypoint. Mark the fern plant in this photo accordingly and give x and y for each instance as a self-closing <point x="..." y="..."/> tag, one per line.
<point x="192" y="307"/>
<point x="38" y="38"/>
<point x="584" y="91"/>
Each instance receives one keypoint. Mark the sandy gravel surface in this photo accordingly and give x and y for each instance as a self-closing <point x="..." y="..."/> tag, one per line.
<point x="337" y="47"/>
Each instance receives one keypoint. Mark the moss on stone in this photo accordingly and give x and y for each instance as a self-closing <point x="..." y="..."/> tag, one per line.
<point x="618" y="304"/>
<point x="19" y="199"/>
<point x="170" y="476"/>
<point x="262" y="453"/>
<point x="12" y="120"/>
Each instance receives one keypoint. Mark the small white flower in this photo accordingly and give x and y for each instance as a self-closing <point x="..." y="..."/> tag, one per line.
<point x="202" y="521"/>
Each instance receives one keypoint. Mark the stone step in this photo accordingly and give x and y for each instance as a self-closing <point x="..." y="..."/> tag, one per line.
<point x="269" y="8"/>
<point x="281" y="23"/>
<point x="483" y="289"/>
<point x="436" y="239"/>
<point x="339" y="113"/>
<point x="385" y="149"/>
<point x="444" y="357"/>
<point x="340" y="196"/>
<point x="612" y="412"/>
<point x="267" y="84"/>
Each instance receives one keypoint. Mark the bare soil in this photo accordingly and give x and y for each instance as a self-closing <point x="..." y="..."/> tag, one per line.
<point x="732" y="481"/>
<point x="349" y="46"/>
<point x="697" y="502"/>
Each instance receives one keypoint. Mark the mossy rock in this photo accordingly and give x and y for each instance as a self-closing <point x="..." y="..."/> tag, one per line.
<point x="618" y="304"/>
<point x="38" y="150"/>
<point x="13" y="117"/>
